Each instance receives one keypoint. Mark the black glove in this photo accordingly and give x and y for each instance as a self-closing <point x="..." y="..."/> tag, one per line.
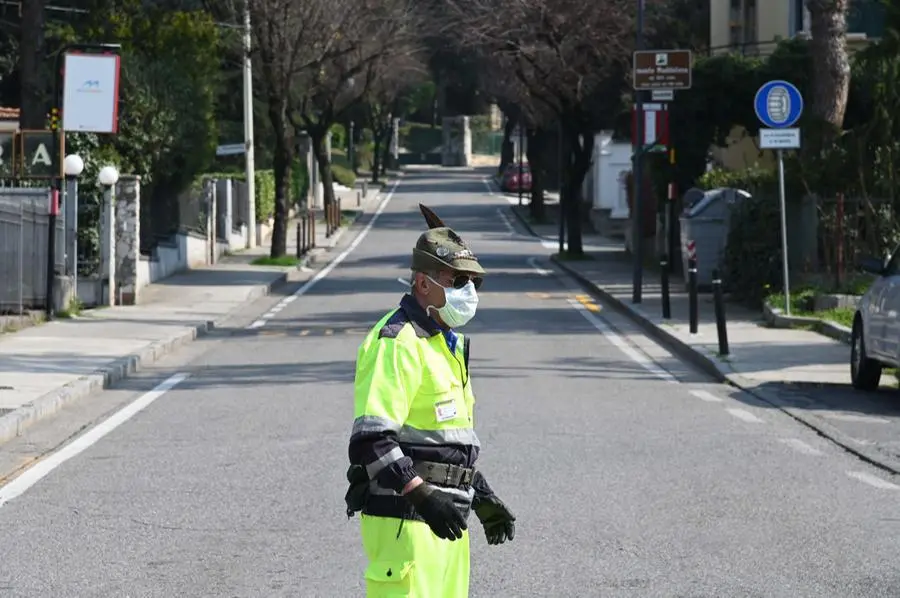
<point x="438" y="511"/>
<point x="497" y="519"/>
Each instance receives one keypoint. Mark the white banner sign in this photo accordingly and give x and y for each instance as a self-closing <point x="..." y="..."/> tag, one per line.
<point x="91" y="93"/>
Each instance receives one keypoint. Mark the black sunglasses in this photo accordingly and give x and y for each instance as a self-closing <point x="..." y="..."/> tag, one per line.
<point x="461" y="280"/>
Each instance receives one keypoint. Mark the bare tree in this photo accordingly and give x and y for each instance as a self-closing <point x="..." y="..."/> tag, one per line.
<point x="570" y="56"/>
<point x="398" y="76"/>
<point x="290" y="36"/>
<point x="371" y="35"/>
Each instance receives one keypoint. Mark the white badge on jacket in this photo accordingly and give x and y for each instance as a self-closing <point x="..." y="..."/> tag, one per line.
<point x="445" y="410"/>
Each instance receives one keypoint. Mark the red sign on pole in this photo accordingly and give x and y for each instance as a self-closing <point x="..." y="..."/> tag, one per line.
<point x="656" y="125"/>
<point x="692" y="249"/>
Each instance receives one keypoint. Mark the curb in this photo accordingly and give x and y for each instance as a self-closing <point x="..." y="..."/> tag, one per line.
<point x="13" y="424"/>
<point x="720" y="371"/>
<point x="775" y="317"/>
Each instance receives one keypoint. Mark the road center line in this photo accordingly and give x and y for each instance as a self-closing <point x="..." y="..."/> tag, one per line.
<point x="744" y="415"/>
<point x="705" y="395"/>
<point x="616" y="340"/>
<point x="872" y="480"/>
<point x="532" y="261"/>
<point x="340" y="258"/>
<point x="43" y="467"/>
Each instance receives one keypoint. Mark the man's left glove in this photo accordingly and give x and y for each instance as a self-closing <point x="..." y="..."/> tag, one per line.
<point x="496" y="518"/>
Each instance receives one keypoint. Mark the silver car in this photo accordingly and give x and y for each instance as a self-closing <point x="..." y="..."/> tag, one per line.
<point x="875" y="341"/>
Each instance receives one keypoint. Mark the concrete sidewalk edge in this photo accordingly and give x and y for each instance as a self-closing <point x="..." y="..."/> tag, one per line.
<point x="720" y="371"/>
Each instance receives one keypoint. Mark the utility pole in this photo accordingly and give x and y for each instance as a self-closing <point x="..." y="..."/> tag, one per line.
<point x="637" y="203"/>
<point x="248" y="129"/>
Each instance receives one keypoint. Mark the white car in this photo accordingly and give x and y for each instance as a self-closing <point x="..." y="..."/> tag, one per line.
<point x="875" y="341"/>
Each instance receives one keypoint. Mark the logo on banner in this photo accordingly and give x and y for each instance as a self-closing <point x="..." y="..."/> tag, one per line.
<point x="90" y="86"/>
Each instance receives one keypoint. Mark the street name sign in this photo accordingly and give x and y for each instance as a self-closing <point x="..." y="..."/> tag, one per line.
<point x="661" y="69"/>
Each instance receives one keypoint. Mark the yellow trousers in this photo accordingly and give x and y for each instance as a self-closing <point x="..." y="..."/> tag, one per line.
<point x="417" y="564"/>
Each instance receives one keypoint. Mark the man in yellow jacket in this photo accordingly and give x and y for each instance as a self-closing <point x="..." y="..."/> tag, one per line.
<point x="413" y="446"/>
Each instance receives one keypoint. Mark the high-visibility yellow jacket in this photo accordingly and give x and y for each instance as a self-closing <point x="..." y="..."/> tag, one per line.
<point x="413" y="401"/>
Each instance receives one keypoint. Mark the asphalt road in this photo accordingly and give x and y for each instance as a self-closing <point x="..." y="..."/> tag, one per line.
<point x="630" y="474"/>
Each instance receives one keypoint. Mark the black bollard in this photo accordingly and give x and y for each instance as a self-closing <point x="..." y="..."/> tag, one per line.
<point x="299" y="238"/>
<point x="720" y="313"/>
<point x="666" y="304"/>
<point x="692" y="293"/>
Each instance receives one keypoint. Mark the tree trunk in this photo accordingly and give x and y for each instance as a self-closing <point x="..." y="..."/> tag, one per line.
<point x="536" y="159"/>
<point x="379" y="133"/>
<point x="828" y="46"/>
<point x="31" y="65"/>
<point x="582" y="152"/>
<point x="283" y="157"/>
<point x="318" y="135"/>
<point x="506" y="149"/>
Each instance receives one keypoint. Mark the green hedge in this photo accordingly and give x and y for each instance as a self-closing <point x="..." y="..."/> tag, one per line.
<point x="753" y="250"/>
<point x="265" y="187"/>
<point x="418" y="138"/>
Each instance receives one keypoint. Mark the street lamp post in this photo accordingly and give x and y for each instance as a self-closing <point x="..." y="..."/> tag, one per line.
<point x="108" y="177"/>
<point x="73" y="166"/>
<point x="56" y="191"/>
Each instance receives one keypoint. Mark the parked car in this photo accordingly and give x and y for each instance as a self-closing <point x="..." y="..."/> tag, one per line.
<point x="510" y="180"/>
<point x="875" y="337"/>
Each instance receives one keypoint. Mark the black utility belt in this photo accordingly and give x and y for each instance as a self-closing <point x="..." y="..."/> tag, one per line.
<point x="444" y="473"/>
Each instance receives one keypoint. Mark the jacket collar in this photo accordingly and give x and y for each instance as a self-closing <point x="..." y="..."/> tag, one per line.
<point x="419" y="316"/>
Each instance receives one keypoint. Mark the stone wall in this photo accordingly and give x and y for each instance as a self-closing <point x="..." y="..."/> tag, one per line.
<point x="127" y="238"/>
<point x="457" y="147"/>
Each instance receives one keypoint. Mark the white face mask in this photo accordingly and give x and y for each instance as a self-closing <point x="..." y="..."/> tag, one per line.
<point x="460" y="304"/>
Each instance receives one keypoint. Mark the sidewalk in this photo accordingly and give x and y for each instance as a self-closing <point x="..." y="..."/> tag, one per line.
<point x="48" y="366"/>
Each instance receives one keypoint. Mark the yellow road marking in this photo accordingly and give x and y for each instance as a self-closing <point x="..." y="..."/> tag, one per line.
<point x="304" y="332"/>
<point x="538" y="295"/>
<point x="588" y="303"/>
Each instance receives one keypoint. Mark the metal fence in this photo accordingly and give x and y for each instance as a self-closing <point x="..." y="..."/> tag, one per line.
<point x="24" y="219"/>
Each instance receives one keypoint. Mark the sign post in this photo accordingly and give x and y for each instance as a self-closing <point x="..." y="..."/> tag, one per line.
<point x="660" y="72"/>
<point x="778" y="105"/>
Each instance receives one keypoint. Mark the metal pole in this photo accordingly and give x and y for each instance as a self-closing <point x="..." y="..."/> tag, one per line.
<point x="249" y="156"/>
<point x="521" y="157"/>
<point x="784" y="243"/>
<point x="693" y="315"/>
<point x="721" y="329"/>
<point x="560" y="179"/>
<point x="666" y="300"/>
<point x="637" y="203"/>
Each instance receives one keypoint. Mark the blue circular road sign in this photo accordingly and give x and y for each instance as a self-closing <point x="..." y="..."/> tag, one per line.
<point x="778" y="104"/>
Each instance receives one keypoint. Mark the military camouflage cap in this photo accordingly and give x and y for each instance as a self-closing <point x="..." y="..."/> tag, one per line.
<point x="442" y="249"/>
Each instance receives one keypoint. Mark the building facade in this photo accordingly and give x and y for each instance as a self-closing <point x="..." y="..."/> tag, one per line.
<point x="754" y="27"/>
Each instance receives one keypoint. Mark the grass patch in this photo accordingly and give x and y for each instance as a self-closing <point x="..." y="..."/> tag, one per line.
<point x="284" y="261"/>
<point x="74" y="308"/>
<point x="566" y="256"/>
<point x="801" y="305"/>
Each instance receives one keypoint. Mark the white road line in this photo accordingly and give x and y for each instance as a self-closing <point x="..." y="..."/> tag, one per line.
<point x="744" y="415"/>
<point x="705" y="395"/>
<point x="852" y="417"/>
<point x="639" y="358"/>
<point x="487" y="185"/>
<point x="403" y="281"/>
<point x="42" y="468"/>
<point x="800" y="446"/>
<point x="506" y="221"/>
<point x="532" y="261"/>
<point x="872" y="480"/>
<point x="340" y="258"/>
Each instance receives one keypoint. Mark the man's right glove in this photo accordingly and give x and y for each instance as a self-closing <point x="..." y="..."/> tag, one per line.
<point x="438" y="511"/>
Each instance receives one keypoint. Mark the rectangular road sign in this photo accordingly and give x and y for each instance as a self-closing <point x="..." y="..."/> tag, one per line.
<point x="661" y="69"/>
<point x="231" y="149"/>
<point x="662" y="95"/>
<point x="779" y="138"/>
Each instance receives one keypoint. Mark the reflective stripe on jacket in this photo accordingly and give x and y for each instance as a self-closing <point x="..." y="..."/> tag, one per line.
<point x="412" y="402"/>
